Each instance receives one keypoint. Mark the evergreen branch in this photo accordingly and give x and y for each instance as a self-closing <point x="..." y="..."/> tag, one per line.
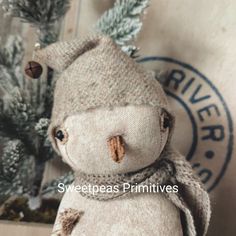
<point x="17" y="120"/>
<point x="42" y="14"/>
<point x="17" y="169"/>
<point x="10" y="64"/>
<point x="37" y="12"/>
<point x="13" y="154"/>
<point x="122" y="22"/>
<point x="52" y="187"/>
<point x="12" y="53"/>
<point x="20" y="112"/>
<point x="46" y="151"/>
<point x="6" y="81"/>
<point x="41" y="127"/>
<point x="22" y="181"/>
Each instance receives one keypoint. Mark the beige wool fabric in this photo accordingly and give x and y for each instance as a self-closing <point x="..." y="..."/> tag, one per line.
<point x="96" y="73"/>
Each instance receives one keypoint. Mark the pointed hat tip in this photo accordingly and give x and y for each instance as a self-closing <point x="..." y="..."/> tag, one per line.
<point x="60" y="55"/>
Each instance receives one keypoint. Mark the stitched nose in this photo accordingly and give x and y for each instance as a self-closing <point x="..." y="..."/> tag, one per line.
<point x="117" y="148"/>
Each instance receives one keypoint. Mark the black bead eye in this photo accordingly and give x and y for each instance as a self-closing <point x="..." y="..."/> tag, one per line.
<point x="61" y="135"/>
<point x="165" y="121"/>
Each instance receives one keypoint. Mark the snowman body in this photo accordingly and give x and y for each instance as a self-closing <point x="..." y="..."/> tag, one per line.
<point x="147" y="214"/>
<point x="134" y="215"/>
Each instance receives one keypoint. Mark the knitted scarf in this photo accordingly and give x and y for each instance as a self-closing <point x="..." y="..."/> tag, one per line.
<point x="171" y="168"/>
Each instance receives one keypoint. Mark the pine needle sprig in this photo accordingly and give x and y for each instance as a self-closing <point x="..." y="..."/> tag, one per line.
<point x="52" y="187"/>
<point x="11" y="55"/>
<point x="16" y="169"/>
<point x="42" y="14"/>
<point x="13" y="154"/>
<point x="122" y="22"/>
<point x="20" y="112"/>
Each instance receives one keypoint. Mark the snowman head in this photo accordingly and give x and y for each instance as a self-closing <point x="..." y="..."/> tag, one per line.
<point x="84" y="140"/>
<point x="110" y="115"/>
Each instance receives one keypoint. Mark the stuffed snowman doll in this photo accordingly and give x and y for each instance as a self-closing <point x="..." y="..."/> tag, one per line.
<point x="112" y="124"/>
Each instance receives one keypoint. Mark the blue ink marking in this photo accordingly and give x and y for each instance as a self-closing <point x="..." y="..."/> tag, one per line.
<point x="229" y="119"/>
<point x="207" y="173"/>
<point x="211" y="129"/>
<point x="209" y="154"/>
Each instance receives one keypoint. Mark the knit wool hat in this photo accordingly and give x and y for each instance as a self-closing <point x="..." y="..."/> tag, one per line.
<point x="96" y="73"/>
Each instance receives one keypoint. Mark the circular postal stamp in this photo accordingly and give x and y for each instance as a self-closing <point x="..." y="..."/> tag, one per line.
<point x="204" y="129"/>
